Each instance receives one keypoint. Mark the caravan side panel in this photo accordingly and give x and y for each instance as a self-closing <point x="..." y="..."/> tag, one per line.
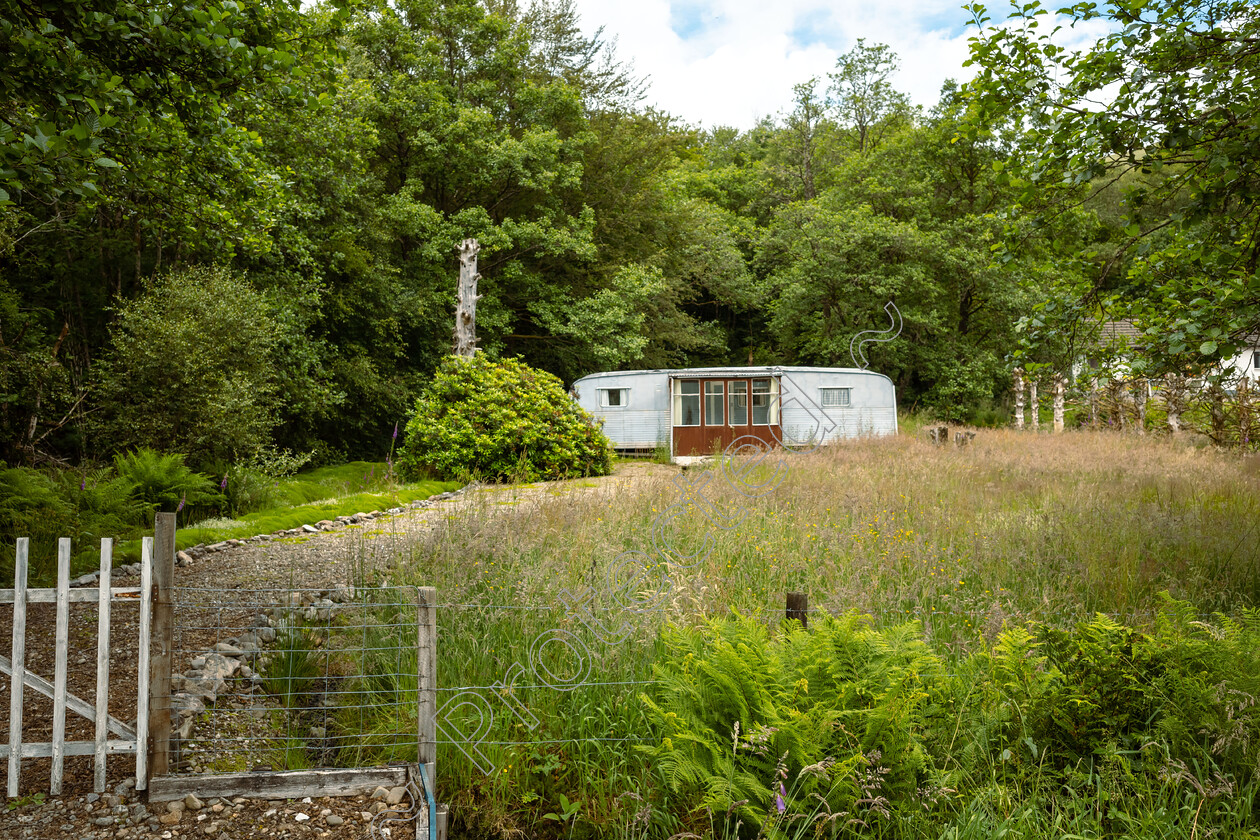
<point x="640" y="419"/>
<point x="822" y="405"/>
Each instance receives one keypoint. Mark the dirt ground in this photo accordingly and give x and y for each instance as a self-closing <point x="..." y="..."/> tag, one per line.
<point x="320" y="561"/>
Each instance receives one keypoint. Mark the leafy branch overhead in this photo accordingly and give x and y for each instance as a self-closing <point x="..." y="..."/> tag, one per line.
<point x="1159" y="109"/>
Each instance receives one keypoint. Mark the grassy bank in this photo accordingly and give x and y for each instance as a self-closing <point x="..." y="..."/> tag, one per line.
<point x="946" y="547"/>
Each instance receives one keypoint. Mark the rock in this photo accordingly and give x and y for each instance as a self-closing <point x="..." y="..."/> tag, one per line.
<point x="380" y="793"/>
<point x="184" y="730"/>
<point x="218" y="666"/>
<point x="92" y="798"/>
<point x="104" y="821"/>
<point x="318" y="732"/>
<point x="211" y="829"/>
<point x="219" y="546"/>
<point x="172" y="818"/>
<point x="395" y="795"/>
<point x="109" y="800"/>
<point x="192" y="803"/>
<point x="198" y="663"/>
<point x="266" y="635"/>
<point x="333" y="819"/>
<point x="342" y="594"/>
<point x="300" y="817"/>
<point x="205" y="689"/>
<point x="176" y="807"/>
<point x="310" y="529"/>
<point x="325" y="524"/>
<point x="228" y="649"/>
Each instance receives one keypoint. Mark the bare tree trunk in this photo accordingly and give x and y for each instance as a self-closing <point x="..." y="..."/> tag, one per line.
<point x="1034" y="406"/>
<point x="1019" y="398"/>
<point x="466" y="310"/>
<point x="1139" y="405"/>
<point x="1174" y="393"/>
<point x="1093" y="402"/>
<point x="1058" y="402"/>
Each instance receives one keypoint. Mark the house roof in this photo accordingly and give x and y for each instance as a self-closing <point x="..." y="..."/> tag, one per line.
<point x="1119" y="331"/>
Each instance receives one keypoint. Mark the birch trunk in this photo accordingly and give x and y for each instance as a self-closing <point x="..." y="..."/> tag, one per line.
<point x="1034" y="406"/>
<point x="1058" y="403"/>
<point x="1019" y="398"/>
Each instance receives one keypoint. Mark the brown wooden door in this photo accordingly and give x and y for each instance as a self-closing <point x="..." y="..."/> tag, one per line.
<point x="710" y="414"/>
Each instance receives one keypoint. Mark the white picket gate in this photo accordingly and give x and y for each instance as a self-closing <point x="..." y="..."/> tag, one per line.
<point x="130" y="740"/>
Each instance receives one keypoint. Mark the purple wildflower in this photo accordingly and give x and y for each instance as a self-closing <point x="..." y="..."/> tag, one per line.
<point x="223" y="483"/>
<point x="83" y="485"/>
<point x="182" y="499"/>
<point x="395" y="437"/>
<point x="778" y="799"/>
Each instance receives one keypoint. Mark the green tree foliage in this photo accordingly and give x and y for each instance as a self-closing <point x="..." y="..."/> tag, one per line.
<point x="501" y="420"/>
<point x="190" y="368"/>
<point x="1161" y="113"/>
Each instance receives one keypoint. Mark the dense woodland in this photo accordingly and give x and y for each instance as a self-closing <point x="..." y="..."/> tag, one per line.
<point x="230" y="228"/>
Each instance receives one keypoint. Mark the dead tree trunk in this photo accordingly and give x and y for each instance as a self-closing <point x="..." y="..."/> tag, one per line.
<point x="466" y="310"/>
<point x="1019" y="398"/>
<point x="1058" y="402"/>
<point x="1139" y="405"/>
<point x="1034" y="405"/>
<point x="1174" y="395"/>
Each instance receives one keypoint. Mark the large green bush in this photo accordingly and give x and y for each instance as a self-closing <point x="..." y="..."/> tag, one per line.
<point x="191" y="369"/>
<point x="501" y="419"/>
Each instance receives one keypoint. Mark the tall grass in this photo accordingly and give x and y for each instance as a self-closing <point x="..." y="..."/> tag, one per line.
<point x="1015" y="528"/>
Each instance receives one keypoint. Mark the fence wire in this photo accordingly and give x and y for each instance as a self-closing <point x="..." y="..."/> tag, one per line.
<point x="291" y="678"/>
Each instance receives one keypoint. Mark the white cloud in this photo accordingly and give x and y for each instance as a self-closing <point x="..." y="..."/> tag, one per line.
<point x="731" y="62"/>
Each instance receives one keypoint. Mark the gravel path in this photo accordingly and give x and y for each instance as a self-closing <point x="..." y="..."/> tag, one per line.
<point x="335" y="554"/>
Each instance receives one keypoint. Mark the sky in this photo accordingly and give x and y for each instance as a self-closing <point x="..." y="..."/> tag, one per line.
<point x="731" y="62"/>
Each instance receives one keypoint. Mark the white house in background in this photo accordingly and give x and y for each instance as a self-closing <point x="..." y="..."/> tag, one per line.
<point x="1121" y="337"/>
<point x="701" y="411"/>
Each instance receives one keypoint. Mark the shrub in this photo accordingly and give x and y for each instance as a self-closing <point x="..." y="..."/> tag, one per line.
<point x="190" y="368"/>
<point x="501" y="419"/>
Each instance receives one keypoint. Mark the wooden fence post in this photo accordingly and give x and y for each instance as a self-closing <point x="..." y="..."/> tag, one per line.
<point x="61" y="666"/>
<point x="426" y="705"/>
<point x="102" y="663"/>
<point x="18" y="676"/>
<point x="162" y="639"/>
<point x="798" y="608"/>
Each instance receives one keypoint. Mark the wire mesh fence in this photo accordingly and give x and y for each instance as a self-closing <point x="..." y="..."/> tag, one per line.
<point x="292" y="679"/>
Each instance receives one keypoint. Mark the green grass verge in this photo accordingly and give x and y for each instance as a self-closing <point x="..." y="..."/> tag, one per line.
<point x="324" y="493"/>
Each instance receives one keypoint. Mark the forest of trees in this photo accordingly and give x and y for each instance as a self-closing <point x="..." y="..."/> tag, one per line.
<point x="231" y="228"/>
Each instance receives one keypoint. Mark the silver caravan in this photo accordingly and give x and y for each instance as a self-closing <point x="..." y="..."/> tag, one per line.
<point x="700" y="411"/>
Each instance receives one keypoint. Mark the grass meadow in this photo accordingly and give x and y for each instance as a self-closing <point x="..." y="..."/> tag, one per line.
<point x="1017" y="637"/>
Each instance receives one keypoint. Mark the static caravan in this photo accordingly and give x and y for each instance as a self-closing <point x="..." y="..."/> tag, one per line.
<point x="701" y="411"/>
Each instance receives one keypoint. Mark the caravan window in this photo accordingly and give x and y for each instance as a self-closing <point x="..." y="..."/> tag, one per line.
<point x="739" y="403"/>
<point x="713" y="399"/>
<point x="687" y="402"/>
<point x="835" y="397"/>
<point x="614" y="397"/>
<point x="765" y="409"/>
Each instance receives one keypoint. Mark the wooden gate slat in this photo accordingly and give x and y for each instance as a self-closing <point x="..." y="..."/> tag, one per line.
<point x="102" y="665"/>
<point x="62" y="666"/>
<point x="75" y="704"/>
<point x="18" y="670"/>
<point x="142" y="664"/>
